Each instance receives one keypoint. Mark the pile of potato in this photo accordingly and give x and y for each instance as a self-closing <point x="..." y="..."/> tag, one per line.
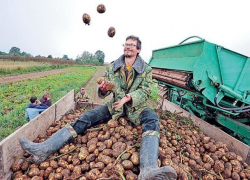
<point x="111" y="151"/>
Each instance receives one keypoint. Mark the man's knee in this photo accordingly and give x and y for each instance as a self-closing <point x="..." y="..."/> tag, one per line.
<point x="149" y="120"/>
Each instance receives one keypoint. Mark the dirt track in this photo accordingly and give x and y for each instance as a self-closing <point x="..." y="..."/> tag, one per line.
<point x="31" y="75"/>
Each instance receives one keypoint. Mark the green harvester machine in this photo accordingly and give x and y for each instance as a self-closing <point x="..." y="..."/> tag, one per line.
<point x="207" y="80"/>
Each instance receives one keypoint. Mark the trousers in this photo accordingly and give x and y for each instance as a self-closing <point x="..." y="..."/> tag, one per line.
<point x="148" y="119"/>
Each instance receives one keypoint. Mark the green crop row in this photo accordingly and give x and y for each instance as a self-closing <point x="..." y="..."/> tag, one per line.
<point x="24" y="70"/>
<point x="14" y="97"/>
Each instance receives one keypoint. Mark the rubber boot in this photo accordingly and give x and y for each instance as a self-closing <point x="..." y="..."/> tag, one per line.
<point x="41" y="151"/>
<point x="149" y="169"/>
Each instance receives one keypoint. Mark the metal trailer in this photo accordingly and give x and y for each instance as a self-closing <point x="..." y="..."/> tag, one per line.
<point x="208" y="81"/>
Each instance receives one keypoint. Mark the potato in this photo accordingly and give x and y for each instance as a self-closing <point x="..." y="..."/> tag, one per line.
<point x="122" y="121"/>
<point x="34" y="172"/>
<point x="90" y="158"/>
<point x="135" y="158"/>
<point x="235" y="176"/>
<point x="77" y="170"/>
<point x="208" y="177"/>
<point x="103" y="175"/>
<point x="84" y="139"/>
<point x="131" y="176"/>
<point x="231" y="155"/>
<point x="101" y="8"/>
<point x="36" y="178"/>
<point x="99" y="165"/>
<point x="92" y="134"/>
<point x="103" y="137"/>
<point x="83" y="154"/>
<point x="53" y="164"/>
<point x="66" y="173"/>
<point x="17" y="165"/>
<point x="85" y="166"/>
<point x="236" y="166"/>
<point x="112" y="123"/>
<point x="91" y="148"/>
<point x="25" y="166"/>
<point x="127" y="164"/>
<point x="63" y="163"/>
<point x="92" y="141"/>
<point x="17" y="174"/>
<point x="59" y="170"/>
<point x="125" y="156"/>
<point x="111" y="32"/>
<point x="105" y="159"/>
<point x="107" y="152"/>
<point x="44" y="165"/>
<point x="93" y="174"/>
<point x="218" y="166"/>
<point x="86" y="18"/>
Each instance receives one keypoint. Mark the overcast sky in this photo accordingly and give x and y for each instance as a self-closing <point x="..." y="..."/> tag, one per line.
<point x="55" y="27"/>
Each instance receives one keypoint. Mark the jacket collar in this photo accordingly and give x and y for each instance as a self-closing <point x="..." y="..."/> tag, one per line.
<point x="138" y="65"/>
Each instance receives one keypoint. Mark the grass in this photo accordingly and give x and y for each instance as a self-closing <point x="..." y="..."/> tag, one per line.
<point x="8" y="68"/>
<point x="155" y="89"/>
<point x="14" y="97"/>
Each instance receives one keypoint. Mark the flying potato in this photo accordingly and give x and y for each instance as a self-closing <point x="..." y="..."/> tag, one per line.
<point x="101" y="8"/>
<point x="86" y="18"/>
<point x="111" y="32"/>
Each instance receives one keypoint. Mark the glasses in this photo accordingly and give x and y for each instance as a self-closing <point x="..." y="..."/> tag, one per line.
<point x="129" y="45"/>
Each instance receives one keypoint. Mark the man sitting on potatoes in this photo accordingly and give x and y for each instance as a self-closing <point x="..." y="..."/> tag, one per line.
<point x="130" y="79"/>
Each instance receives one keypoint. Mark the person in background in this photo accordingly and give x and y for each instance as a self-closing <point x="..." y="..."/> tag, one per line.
<point x="81" y="95"/>
<point x="34" y="108"/>
<point x="46" y="99"/>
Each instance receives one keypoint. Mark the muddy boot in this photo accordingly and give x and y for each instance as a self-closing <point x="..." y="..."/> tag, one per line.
<point x="149" y="169"/>
<point x="41" y="151"/>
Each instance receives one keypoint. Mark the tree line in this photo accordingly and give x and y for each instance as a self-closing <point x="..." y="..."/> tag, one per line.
<point x="85" y="58"/>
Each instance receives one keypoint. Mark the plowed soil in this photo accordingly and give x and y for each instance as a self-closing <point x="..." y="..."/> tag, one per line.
<point x="6" y="79"/>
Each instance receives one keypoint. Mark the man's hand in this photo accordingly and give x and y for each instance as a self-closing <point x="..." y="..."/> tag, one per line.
<point x="103" y="86"/>
<point x="117" y="105"/>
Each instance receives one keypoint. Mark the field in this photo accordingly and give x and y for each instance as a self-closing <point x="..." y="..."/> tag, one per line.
<point x="8" y="68"/>
<point x="15" y="97"/>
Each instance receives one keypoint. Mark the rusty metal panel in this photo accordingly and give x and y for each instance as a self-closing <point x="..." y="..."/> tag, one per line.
<point x="233" y="144"/>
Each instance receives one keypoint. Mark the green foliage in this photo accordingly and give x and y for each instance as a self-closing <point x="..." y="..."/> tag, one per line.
<point x="50" y="56"/>
<point x="90" y="59"/>
<point x="100" y="56"/>
<point x="14" y="97"/>
<point x="3" y="53"/>
<point x="14" y="51"/>
<point x="155" y="89"/>
<point x="65" y="57"/>
<point x="26" y="54"/>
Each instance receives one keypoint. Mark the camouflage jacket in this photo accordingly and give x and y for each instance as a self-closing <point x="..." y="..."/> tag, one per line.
<point x="138" y="85"/>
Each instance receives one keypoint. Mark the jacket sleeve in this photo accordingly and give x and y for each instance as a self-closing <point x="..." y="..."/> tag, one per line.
<point x="143" y="91"/>
<point x="101" y="94"/>
<point x="26" y="114"/>
<point x="49" y="102"/>
<point x="42" y="100"/>
<point x="42" y="106"/>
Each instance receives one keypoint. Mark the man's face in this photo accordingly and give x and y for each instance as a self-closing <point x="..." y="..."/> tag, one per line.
<point x="82" y="90"/>
<point x="130" y="48"/>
